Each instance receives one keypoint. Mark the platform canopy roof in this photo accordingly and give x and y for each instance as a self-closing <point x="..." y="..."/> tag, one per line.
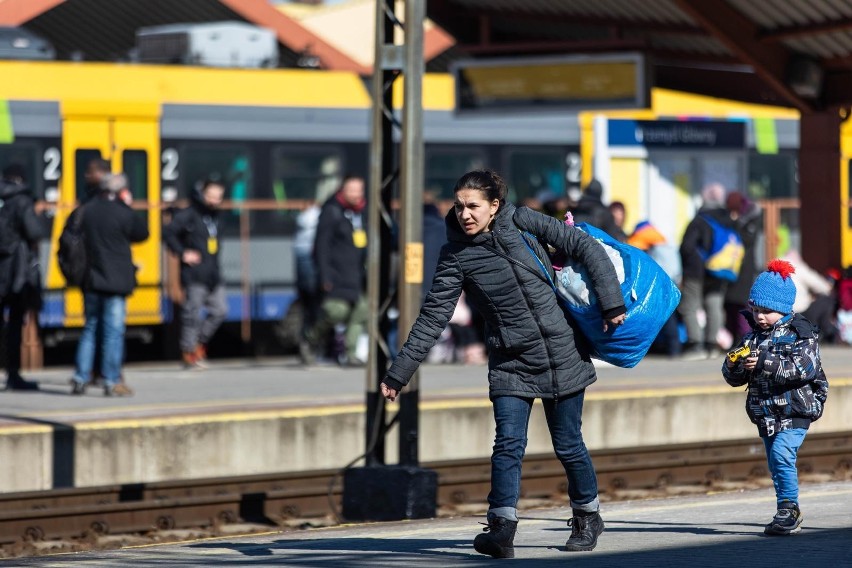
<point x="795" y="53"/>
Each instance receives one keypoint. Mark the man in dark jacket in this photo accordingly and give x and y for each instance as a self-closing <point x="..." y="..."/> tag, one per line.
<point x="193" y="235"/>
<point x="748" y="220"/>
<point x="96" y="170"/>
<point x="699" y="289"/>
<point x="340" y="252"/>
<point x="109" y="226"/>
<point x="591" y="210"/>
<point x="19" y="275"/>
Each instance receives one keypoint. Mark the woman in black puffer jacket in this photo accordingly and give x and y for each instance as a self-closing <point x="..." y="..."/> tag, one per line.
<point x="533" y="351"/>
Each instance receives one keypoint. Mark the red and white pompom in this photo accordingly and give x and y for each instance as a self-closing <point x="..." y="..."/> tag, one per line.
<point x="782" y="267"/>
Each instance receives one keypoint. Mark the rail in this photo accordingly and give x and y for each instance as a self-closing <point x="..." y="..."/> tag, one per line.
<point x="273" y="499"/>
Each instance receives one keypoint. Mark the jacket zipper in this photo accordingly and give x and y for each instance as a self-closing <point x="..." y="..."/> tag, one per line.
<point x="553" y="381"/>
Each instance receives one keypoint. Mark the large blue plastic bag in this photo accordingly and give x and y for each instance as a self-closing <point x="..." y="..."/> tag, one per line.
<point x="650" y="297"/>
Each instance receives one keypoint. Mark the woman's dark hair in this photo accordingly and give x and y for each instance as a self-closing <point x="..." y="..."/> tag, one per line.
<point x="486" y="181"/>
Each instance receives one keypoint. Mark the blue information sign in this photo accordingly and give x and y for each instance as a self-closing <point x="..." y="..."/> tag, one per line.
<point x="677" y="134"/>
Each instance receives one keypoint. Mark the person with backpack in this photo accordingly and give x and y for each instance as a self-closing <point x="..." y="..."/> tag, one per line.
<point x="711" y="253"/>
<point x="108" y="228"/>
<point x="193" y="236"/>
<point x="20" y="280"/>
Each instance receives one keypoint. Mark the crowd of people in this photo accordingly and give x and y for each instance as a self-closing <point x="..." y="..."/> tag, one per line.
<point x="94" y="254"/>
<point x="330" y="262"/>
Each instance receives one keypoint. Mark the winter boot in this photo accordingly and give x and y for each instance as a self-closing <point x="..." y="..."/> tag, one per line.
<point x="787" y="520"/>
<point x="15" y="381"/>
<point x="498" y="538"/>
<point x="585" y="530"/>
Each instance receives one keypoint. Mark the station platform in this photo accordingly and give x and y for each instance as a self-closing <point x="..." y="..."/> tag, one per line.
<point x="245" y="417"/>
<point x="724" y="530"/>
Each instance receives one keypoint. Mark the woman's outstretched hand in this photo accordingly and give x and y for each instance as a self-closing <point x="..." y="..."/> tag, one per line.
<point x="389" y="393"/>
<point x="614" y="322"/>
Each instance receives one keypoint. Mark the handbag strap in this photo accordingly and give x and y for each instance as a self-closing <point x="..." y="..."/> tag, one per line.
<point x="544" y="274"/>
<point x="537" y="259"/>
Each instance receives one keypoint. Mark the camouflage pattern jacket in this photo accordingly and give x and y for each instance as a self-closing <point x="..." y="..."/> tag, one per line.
<point x="787" y="388"/>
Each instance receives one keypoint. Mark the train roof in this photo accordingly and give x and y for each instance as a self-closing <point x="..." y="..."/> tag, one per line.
<point x="301" y="105"/>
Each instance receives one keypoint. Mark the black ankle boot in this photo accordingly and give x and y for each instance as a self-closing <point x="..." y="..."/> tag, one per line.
<point x="498" y="539"/>
<point x="585" y="530"/>
<point x="17" y="382"/>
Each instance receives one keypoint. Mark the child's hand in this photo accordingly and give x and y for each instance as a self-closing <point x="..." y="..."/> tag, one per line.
<point x="750" y="363"/>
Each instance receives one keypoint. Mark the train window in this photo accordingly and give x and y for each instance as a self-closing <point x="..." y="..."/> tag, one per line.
<point x="533" y="171"/>
<point x="299" y="173"/>
<point x="772" y="176"/>
<point x="135" y="164"/>
<point x="23" y="155"/>
<point x="444" y="166"/>
<point x="230" y="164"/>
<point x="81" y="160"/>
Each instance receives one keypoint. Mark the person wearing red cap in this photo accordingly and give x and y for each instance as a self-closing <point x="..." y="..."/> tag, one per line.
<point x="779" y="360"/>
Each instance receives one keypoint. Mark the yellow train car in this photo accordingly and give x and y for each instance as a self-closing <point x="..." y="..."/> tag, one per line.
<point x="845" y="197"/>
<point x="278" y="139"/>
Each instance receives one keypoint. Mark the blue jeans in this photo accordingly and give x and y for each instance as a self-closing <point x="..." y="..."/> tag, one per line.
<point x="512" y="416"/>
<point x="106" y="312"/>
<point x="781" y="450"/>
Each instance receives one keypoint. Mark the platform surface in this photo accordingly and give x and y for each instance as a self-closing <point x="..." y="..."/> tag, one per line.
<point x="164" y="389"/>
<point x="719" y="531"/>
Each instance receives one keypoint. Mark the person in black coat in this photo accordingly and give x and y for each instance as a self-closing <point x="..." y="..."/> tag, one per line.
<point x="109" y="226"/>
<point x="20" y="288"/>
<point x="590" y="209"/>
<point x="340" y="253"/>
<point x="748" y="220"/>
<point x="533" y="351"/>
<point x="193" y="236"/>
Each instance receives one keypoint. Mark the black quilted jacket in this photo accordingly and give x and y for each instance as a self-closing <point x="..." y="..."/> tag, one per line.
<point x="787" y="388"/>
<point x="533" y="351"/>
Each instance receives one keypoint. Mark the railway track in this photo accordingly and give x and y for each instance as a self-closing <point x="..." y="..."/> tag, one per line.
<point x="275" y="498"/>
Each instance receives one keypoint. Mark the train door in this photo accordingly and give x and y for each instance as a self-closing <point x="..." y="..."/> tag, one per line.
<point x="127" y="135"/>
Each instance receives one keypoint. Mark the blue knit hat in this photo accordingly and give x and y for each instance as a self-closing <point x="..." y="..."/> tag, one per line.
<point x="774" y="289"/>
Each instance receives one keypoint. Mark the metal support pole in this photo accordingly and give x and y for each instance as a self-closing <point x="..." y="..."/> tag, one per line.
<point x="377" y="491"/>
<point x="411" y="217"/>
<point x="382" y="178"/>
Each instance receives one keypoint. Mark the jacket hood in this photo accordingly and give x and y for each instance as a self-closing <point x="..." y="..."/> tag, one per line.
<point x="8" y="189"/>
<point x="455" y="233"/>
<point x="594" y="189"/>
<point x="197" y="200"/>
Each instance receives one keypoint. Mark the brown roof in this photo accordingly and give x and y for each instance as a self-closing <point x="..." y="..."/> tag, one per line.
<point x="105" y="29"/>
<point x="742" y="49"/>
<point x="350" y="26"/>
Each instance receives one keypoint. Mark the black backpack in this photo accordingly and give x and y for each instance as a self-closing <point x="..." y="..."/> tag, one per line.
<point x="71" y="254"/>
<point x="9" y="235"/>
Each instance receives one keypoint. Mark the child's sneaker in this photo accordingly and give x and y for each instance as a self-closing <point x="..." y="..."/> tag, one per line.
<point x="787" y="520"/>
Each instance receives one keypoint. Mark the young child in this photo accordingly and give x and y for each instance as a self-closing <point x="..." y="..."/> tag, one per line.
<point x="779" y="360"/>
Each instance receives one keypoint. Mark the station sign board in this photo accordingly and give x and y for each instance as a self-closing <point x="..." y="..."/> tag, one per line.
<point x="572" y="83"/>
<point x="677" y="133"/>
